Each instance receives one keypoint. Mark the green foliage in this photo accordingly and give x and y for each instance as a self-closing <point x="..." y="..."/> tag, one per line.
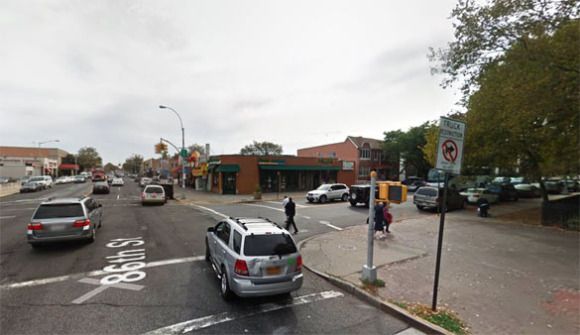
<point x="262" y="149"/>
<point x="88" y="158"/>
<point x="409" y="146"/>
<point x="485" y="30"/>
<point x="526" y="110"/>
<point x="69" y="159"/>
<point x="197" y="147"/>
<point x="133" y="163"/>
<point x="442" y="317"/>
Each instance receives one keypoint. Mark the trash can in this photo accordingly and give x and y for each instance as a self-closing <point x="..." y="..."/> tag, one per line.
<point x="482" y="207"/>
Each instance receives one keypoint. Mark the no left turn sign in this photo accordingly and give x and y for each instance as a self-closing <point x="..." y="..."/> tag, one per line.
<point x="450" y="148"/>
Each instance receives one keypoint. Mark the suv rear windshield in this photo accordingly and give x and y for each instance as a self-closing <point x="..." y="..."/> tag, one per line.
<point x="59" y="211"/>
<point x="154" y="190"/>
<point x="266" y="245"/>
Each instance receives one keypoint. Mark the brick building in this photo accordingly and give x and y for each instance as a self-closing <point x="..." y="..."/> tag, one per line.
<point x="239" y="174"/>
<point x="17" y="162"/>
<point x="359" y="153"/>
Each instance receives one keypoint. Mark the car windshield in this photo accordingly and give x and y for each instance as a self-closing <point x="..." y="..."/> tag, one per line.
<point x="37" y="179"/>
<point x="266" y="245"/>
<point x="154" y="190"/>
<point x="323" y="187"/>
<point x="59" y="211"/>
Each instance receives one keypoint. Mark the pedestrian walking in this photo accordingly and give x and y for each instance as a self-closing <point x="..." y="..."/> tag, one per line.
<point x="284" y="201"/>
<point x="379" y="219"/>
<point x="388" y="218"/>
<point x="290" y="210"/>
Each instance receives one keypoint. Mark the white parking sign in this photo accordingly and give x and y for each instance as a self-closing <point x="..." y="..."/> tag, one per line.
<point x="450" y="147"/>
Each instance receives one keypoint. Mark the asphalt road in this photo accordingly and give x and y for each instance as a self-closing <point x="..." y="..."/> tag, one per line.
<point x="56" y="289"/>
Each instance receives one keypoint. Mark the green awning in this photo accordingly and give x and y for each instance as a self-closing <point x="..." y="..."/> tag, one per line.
<point x="300" y="167"/>
<point x="228" y="168"/>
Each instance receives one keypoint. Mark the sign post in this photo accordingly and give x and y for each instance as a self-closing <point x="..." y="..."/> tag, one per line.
<point x="449" y="157"/>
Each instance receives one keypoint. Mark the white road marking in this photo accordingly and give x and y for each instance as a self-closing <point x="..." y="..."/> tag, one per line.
<point x="279" y="203"/>
<point x="326" y="223"/>
<point x="264" y="206"/>
<point x="44" y="281"/>
<point x="210" y="210"/>
<point x="211" y="320"/>
<point x="118" y="195"/>
<point x="307" y="217"/>
<point x="101" y="288"/>
<point x="7" y="217"/>
<point x="17" y="209"/>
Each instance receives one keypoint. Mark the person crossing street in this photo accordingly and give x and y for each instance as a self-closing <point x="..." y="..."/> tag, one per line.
<point x="290" y="210"/>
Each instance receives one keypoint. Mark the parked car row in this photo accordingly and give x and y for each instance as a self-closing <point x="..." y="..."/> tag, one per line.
<point x="37" y="183"/>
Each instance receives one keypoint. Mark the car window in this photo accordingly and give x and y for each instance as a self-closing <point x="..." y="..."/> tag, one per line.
<point x="237" y="242"/>
<point x="265" y="245"/>
<point x="427" y="192"/>
<point x="339" y="187"/>
<point x="224" y="233"/>
<point x="154" y="190"/>
<point x="59" y="211"/>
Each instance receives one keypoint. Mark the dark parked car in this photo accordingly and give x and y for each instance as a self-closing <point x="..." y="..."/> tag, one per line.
<point x="429" y="197"/>
<point x="101" y="187"/>
<point x="504" y="191"/>
<point x="360" y="194"/>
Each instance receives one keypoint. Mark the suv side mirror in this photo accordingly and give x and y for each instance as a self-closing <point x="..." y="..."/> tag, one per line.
<point x="211" y="230"/>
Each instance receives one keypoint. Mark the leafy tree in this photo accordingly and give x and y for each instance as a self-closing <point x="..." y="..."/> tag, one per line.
<point x="197" y="147"/>
<point x="408" y="146"/>
<point x="69" y="159"/>
<point x="88" y="158"/>
<point x="262" y="149"/>
<point x="133" y="163"/>
<point x="486" y="30"/>
<point x="110" y="167"/>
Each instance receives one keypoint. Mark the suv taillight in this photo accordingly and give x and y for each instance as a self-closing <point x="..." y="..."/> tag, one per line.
<point x="241" y="268"/>
<point x="82" y="223"/>
<point x="299" y="263"/>
<point x="35" y="226"/>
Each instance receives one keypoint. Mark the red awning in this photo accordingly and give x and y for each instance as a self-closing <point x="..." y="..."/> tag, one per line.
<point x="68" y="167"/>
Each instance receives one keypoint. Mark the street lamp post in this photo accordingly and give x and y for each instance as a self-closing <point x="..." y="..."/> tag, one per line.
<point x="182" y="144"/>
<point x="41" y="143"/>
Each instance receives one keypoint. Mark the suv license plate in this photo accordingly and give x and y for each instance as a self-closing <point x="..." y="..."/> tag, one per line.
<point x="273" y="270"/>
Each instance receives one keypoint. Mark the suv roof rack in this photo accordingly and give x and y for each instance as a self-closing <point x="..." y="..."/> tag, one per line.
<point x="237" y="220"/>
<point x="272" y="222"/>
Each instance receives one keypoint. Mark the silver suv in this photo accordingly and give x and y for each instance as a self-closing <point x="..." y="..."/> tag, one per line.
<point x="326" y="192"/>
<point x="65" y="219"/>
<point x="253" y="257"/>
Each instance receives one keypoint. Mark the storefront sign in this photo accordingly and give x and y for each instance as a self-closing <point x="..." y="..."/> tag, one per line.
<point x="346" y="165"/>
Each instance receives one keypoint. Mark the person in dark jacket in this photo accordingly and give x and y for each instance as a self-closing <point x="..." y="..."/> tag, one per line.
<point x="379" y="219"/>
<point x="290" y="210"/>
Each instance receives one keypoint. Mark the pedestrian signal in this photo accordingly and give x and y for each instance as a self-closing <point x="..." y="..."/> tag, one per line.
<point x="391" y="191"/>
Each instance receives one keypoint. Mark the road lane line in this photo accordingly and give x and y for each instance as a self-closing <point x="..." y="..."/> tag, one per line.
<point x="279" y="203"/>
<point x="211" y="320"/>
<point x="90" y="294"/>
<point x="326" y="223"/>
<point x="101" y="288"/>
<point x="209" y="210"/>
<point x="7" y="217"/>
<point x="118" y="195"/>
<point x="44" y="281"/>
<point x="264" y="206"/>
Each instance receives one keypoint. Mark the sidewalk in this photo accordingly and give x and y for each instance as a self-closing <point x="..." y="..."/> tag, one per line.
<point x="8" y="189"/>
<point x="203" y="197"/>
<point x="499" y="278"/>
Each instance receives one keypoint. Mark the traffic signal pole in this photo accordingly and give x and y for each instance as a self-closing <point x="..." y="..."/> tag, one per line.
<point x="369" y="272"/>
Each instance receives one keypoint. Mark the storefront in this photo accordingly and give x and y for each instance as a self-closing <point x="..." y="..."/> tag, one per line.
<point x="238" y="174"/>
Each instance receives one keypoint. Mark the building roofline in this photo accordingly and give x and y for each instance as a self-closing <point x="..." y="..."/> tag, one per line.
<point x="324" y="145"/>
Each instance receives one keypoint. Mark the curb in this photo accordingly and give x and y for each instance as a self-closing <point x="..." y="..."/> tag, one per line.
<point x="386" y="307"/>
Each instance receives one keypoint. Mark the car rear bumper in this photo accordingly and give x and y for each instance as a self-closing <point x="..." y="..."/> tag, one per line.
<point x="247" y="288"/>
<point x="85" y="234"/>
<point x="153" y="201"/>
<point x="428" y="204"/>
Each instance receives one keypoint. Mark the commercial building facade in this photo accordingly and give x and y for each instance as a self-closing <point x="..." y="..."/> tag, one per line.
<point x="361" y="154"/>
<point x="16" y="162"/>
<point x="240" y="174"/>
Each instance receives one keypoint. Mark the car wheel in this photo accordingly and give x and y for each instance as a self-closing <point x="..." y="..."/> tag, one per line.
<point x="322" y="199"/>
<point x="207" y="256"/>
<point x="309" y="200"/>
<point x="345" y="197"/>
<point x="225" y="290"/>
<point x="419" y="207"/>
<point x="93" y="236"/>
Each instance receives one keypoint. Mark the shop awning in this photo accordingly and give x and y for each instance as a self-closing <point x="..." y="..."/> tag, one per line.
<point x="228" y="168"/>
<point x="300" y="167"/>
<point x="65" y="166"/>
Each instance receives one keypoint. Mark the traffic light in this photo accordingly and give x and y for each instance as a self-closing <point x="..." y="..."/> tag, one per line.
<point x="160" y="148"/>
<point x="391" y="191"/>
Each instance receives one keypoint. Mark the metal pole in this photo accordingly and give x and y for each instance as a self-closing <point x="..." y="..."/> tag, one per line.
<point x="440" y="242"/>
<point x="369" y="272"/>
<point x="182" y="158"/>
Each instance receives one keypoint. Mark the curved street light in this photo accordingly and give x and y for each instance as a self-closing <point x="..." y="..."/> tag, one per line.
<point x="182" y="143"/>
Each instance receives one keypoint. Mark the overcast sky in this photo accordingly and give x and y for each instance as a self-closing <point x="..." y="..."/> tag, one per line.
<point x="296" y="73"/>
